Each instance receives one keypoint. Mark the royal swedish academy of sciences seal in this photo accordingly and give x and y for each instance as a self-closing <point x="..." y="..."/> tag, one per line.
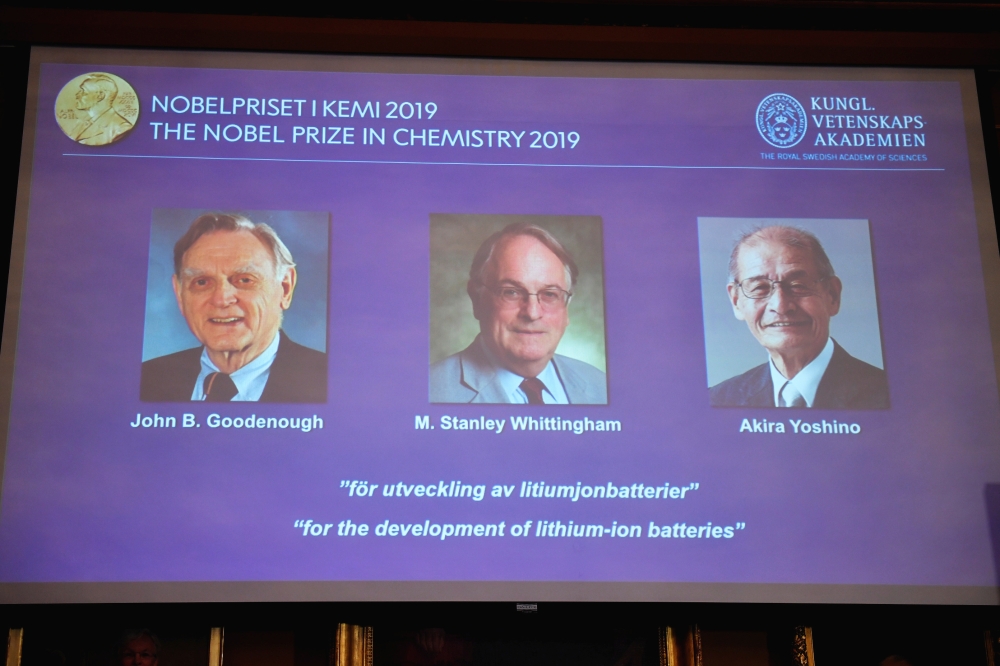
<point x="96" y="109"/>
<point x="781" y="120"/>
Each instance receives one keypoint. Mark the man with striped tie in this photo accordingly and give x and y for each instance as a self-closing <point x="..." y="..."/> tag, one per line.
<point x="521" y="283"/>
<point x="233" y="280"/>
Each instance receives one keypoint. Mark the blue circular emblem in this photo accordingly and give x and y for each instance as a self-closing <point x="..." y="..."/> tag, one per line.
<point x="781" y="120"/>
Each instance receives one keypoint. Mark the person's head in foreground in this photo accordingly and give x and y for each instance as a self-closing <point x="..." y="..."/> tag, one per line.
<point x="783" y="286"/>
<point x="521" y="283"/>
<point x="233" y="280"/>
<point x="139" y="648"/>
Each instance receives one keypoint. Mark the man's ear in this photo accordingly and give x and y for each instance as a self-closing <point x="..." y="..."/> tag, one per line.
<point x="177" y="292"/>
<point x="472" y="289"/>
<point x="288" y="287"/>
<point x="734" y="299"/>
<point x="834" y="287"/>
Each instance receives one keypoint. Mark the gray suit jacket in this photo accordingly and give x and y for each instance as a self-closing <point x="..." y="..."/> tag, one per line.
<point x="468" y="376"/>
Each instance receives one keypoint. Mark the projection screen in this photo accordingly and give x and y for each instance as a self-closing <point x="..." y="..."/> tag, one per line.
<point x="498" y="330"/>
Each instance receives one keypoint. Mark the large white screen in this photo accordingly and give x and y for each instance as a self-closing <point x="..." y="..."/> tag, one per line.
<point x="517" y="356"/>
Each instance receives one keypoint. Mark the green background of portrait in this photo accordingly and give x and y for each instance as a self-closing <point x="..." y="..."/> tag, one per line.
<point x="453" y="243"/>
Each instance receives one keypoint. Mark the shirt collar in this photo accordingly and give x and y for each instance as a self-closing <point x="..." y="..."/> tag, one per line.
<point x="809" y="377"/>
<point x="553" y="385"/>
<point x="249" y="372"/>
<point x="511" y="381"/>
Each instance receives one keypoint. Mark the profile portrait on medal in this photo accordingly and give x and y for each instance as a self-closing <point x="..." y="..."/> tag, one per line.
<point x="791" y="314"/>
<point x="517" y="310"/>
<point x="97" y="109"/>
<point x="236" y="307"/>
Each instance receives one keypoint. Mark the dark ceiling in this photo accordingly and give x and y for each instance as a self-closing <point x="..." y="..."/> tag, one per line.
<point x="865" y="15"/>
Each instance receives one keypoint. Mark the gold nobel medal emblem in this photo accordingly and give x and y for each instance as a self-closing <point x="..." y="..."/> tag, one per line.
<point x="96" y="109"/>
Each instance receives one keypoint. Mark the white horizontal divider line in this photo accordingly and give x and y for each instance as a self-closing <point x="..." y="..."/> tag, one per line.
<point x="495" y="164"/>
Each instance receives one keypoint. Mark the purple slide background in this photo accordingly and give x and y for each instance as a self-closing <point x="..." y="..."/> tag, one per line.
<point x="88" y="498"/>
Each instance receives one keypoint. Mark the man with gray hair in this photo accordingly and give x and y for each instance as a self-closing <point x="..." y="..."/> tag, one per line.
<point x="521" y="283"/>
<point x="139" y="648"/>
<point x="233" y="280"/>
<point x="782" y="284"/>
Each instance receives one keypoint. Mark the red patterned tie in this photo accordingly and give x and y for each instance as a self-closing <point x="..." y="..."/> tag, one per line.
<point x="533" y="387"/>
<point x="219" y="387"/>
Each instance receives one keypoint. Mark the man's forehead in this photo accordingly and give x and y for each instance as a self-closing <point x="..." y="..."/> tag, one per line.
<point x="767" y="253"/>
<point x="236" y="246"/>
<point x="262" y="269"/>
<point x="522" y="254"/>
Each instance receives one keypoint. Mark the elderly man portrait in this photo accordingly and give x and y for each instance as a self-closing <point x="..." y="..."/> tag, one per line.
<point x="521" y="285"/>
<point x="233" y="280"/>
<point x="783" y="286"/>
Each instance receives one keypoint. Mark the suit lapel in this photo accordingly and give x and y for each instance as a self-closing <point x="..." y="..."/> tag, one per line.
<point x="760" y="390"/>
<point x="479" y="376"/>
<point x="277" y="378"/>
<point x="835" y="389"/>
<point x="178" y="386"/>
<point x="576" y="389"/>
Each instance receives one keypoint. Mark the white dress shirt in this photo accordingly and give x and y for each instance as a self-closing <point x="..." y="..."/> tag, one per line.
<point x="250" y="379"/>
<point x="808" y="379"/>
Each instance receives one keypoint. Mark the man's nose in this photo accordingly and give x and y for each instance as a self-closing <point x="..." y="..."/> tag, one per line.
<point x="531" y="308"/>
<point x="779" y="300"/>
<point x="224" y="294"/>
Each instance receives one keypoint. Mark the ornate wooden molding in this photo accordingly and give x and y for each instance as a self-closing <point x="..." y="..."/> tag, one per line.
<point x="352" y="646"/>
<point x="802" y="647"/>
<point x="680" y="646"/>
<point x="14" y="639"/>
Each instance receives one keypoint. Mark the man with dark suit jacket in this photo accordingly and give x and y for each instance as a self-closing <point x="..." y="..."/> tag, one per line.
<point x="783" y="286"/>
<point x="233" y="280"/>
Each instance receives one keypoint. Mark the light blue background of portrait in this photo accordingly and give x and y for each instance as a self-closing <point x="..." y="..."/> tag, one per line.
<point x="307" y="235"/>
<point x="730" y="348"/>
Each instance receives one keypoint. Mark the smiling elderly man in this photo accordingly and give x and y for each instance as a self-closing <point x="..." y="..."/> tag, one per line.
<point x="783" y="286"/>
<point x="233" y="280"/>
<point x="520" y="283"/>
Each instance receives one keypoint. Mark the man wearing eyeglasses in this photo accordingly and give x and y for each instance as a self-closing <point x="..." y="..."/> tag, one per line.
<point x="783" y="286"/>
<point x="139" y="648"/>
<point x="521" y="284"/>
